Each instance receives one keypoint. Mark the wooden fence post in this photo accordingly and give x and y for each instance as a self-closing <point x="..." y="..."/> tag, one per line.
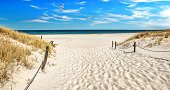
<point x="112" y="44"/>
<point x="115" y="44"/>
<point x="134" y="46"/>
<point x="45" y="58"/>
<point x="41" y="36"/>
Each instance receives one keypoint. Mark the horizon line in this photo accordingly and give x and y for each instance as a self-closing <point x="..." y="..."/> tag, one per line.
<point x="88" y="29"/>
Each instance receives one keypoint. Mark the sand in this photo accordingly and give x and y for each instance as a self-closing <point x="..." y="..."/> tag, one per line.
<point x="88" y="62"/>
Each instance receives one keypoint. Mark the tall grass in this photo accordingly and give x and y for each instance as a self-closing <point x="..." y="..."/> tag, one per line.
<point x="163" y="34"/>
<point x="11" y="55"/>
<point x="33" y="41"/>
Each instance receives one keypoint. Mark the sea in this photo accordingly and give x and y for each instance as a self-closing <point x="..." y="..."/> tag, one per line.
<point x="80" y="31"/>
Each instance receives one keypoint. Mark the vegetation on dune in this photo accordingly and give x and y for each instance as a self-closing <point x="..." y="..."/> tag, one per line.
<point x="12" y="55"/>
<point x="150" y="34"/>
<point x="25" y="38"/>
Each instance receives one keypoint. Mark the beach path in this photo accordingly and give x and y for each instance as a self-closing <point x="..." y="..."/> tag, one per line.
<point x="87" y="62"/>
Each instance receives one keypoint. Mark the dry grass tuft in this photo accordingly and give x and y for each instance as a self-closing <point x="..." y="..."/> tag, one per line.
<point x="11" y="55"/>
<point x="165" y="34"/>
<point x="25" y="38"/>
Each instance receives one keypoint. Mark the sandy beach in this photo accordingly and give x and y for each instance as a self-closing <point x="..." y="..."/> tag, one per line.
<point x="88" y="62"/>
<point x="85" y="45"/>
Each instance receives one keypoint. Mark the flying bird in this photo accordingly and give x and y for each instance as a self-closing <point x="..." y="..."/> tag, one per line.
<point x="62" y="7"/>
<point x="89" y="17"/>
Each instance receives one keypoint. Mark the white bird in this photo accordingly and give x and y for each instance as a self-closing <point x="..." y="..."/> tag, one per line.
<point x="89" y="17"/>
<point x="62" y="7"/>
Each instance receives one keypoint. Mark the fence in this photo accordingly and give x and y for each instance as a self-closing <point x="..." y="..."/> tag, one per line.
<point x="134" y="49"/>
<point x="42" y="67"/>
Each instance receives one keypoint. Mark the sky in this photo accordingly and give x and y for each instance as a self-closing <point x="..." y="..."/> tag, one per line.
<point x="106" y="14"/>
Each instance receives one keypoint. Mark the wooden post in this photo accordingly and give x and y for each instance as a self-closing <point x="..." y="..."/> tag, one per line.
<point x="134" y="46"/>
<point x="115" y="44"/>
<point x="112" y="44"/>
<point x="41" y="36"/>
<point x="45" y="58"/>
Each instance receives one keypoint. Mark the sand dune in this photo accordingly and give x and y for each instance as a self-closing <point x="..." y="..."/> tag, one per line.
<point x="87" y="62"/>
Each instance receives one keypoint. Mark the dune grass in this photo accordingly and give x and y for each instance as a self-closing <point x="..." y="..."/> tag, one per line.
<point x="10" y="56"/>
<point x="162" y="34"/>
<point x="35" y="42"/>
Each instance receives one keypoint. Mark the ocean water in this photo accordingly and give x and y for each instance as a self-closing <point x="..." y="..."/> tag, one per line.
<point x="80" y="31"/>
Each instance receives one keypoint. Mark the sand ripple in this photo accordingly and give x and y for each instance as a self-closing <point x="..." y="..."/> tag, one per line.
<point x="107" y="69"/>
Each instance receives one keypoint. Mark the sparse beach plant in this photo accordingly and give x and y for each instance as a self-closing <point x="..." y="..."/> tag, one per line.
<point x="157" y="35"/>
<point x="167" y="35"/>
<point x="150" y="44"/>
<point x="159" y="40"/>
<point x="33" y="41"/>
<point x="11" y="55"/>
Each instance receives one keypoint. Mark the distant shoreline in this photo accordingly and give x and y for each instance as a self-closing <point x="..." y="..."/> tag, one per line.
<point x="52" y="32"/>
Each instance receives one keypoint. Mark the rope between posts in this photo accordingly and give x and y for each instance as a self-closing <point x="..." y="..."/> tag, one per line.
<point x="33" y="77"/>
<point x="159" y="58"/>
<point x="144" y="49"/>
<point x="150" y="56"/>
<point x="124" y="48"/>
<point x="42" y="65"/>
<point x="151" y="50"/>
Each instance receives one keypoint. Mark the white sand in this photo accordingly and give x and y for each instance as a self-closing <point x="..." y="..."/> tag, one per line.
<point x="87" y="62"/>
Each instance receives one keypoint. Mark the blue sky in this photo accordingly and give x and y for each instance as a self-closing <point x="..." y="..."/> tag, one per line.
<point x="106" y="14"/>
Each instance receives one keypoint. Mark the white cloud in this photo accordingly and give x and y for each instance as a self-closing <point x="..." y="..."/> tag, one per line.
<point x="99" y="22"/>
<point x="124" y="2"/>
<point x="112" y="19"/>
<point x="46" y="18"/>
<point x="33" y="6"/>
<point x="152" y="23"/>
<point x="120" y="16"/>
<point x="140" y="14"/>
<point x="53" y="17"/>
<point x="61" y="19"/>
<point x="3" y="19"/>
<point x="72" y="10"/>
<point x="162" y="22"/>
<point x="135" y="14"/>
<point x="144" y="8"/>
<point x="38" y="20"/>
<point x="79" y="18"/>
<point x="27" y="0"/>
<point x="66" y="18"/>
<point x="81" y="3"/>
<point x="165" y="23"/>
<point x="105" y="0"/>
<point x="81" y="8"/>
<point x="146" y="12"/>
<point x="165" y="13"/>
<point x="132" y="5"/>
<point x="104" y="20"/>
<point x="45" y="14"/>
<point x="147" y="0"/>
